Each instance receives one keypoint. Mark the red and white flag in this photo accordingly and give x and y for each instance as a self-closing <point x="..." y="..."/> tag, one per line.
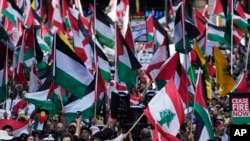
<point x="165" y="111"/>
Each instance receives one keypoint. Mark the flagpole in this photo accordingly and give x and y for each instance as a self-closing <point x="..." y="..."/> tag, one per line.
<point x="184" y="44"/>
<point x="6" y="74"/>
<point x="248" y="46"/>
<point x="232" y="13"/>
<point x="166" y="11"/>
<point x="96" y="63"/>
<point x="133" y="126"/>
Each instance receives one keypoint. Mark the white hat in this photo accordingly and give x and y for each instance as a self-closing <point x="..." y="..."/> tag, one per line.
<point x="4" y="135"/>
<point x="99" y="123"/>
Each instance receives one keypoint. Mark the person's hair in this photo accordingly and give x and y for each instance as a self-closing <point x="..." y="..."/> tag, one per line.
<point x="7" y="127"/>
<point x="145" y="133"/>
<point x="67" y="134"/>
<point x="27" y="136"/>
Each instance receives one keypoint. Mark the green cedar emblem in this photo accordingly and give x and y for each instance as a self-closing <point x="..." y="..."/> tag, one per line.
<point x="166" y="117"/>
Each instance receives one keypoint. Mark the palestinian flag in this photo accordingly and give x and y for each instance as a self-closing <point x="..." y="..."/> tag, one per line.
<point x="216" y="33"/>
<point x="104" y="30"/>
<point x="201" y="22"/>
<point x="165" y="111"/>
<point x="160" y="56"/>
<point x="167" y="70"/>
<point x="150" y="28"/>
<point x="204" y="129"/>
<point x="218" y="13"/>
<point x="127" y="63"/>
<point x="18" y="126"/>
<point x="160" y="34"/>
<point x="13" y="12"/>
<point x="103" y="64"/>
<point x="85" y="105"/>
<point x="3" y="72"/>
<point x="66" y="64"/>
<point x="39" y="99"/>
<point x="181" y="40"/>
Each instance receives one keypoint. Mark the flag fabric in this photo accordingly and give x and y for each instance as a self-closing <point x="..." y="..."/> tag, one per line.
<point x="204" y="129"/>
<point x="34" y="82"/>
<point x="103" y="64"/>
<point x="3" y="72"/>
<point x="201" y="22"/>
<point x="216" y="33"/>
<point x="182" y="80"/>
<point x="78" y="37"/>
<point x="40" y="100"/>
<point x="129" y="38"/>
<point x="57" y="21"/>
<point x="173" y="68"/>
<point x="241" y="84"/>
<point x="66" y="64"/>
<point x="20" y="71"/>
<point x="160" y="34"/>
<point x="13" y="12"/>
<point x="159" y="57"/>
<point x="198" y="62"/>
<point x="165" y="111"/>
<point x="127" y="63"/>
<point x="223" y="75"/>
<point x="84" y="104"/>
<point x="167" y="70"/>
<point x="104" y="30"/>
<point x="218" y="13"/>
<point x="150" y="28"/>
<point x="3" y="5"/>
<point x="181" y="41"/>
<point x="19" y="127"/>
<point x="20" y="105"/>
<point x="240" y="17"/>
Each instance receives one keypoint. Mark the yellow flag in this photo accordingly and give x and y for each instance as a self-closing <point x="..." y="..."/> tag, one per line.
<point x="223" y="76"/>
<point x="33" y="5"/>
<point x="204" y="68"/>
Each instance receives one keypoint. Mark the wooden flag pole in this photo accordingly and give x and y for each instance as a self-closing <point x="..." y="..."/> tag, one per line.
<point x="135" y="123"/>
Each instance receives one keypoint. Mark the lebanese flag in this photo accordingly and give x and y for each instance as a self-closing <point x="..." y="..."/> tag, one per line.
<point x="165" y="111"/>
<point x="19" y="127"/>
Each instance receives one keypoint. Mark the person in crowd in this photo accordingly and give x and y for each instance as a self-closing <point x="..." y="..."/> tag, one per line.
<point x="219" y="131"/>
<point x="67" y="137"/>
<point x="4" y="136"/>
<point x="22" y="137"/>
<point x="99" y="136"/>
<point x="72" y="127"/>
<point x="36" y="134"/>
<point x="145" y="134"/>
<point x="29" y="138"/>
<point x="85" y="134"/>
<point x="8" y="129"/>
